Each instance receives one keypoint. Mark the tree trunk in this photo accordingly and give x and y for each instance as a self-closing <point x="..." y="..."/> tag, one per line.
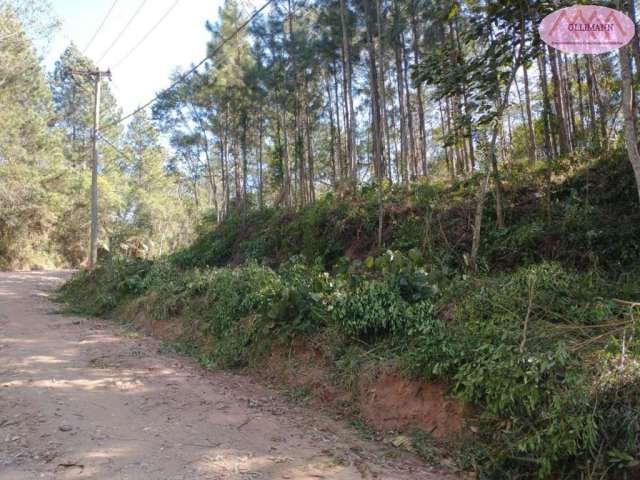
<point x="636" y="40"/>
<point x="444" y="146"/>
<point x="530" y="133"/>
<point x="348" y="97"/>
<point x="557" y="98"/>
<point x="383" y="96"/>
<point x="310" y="159"/>
<point x="244" y="160"/>
<point x="569" y="99"/>
<point x="531" y="155"/>
<point x="207" y="155"/>
<point x="548" y="150"/>
<point x="498" y="186"/>
<point x="454" y="151"/>
<point x="403" y="115"/>
<point x="581" y="111"/>
<point x="412" y="141"/>
<point x="236" y="169"/>
<point x="422" y="131"/>
<point x="546" y="107"/>
<point x="376" y="132"/>
<point x="342" y="167"/>
<point x="260" y="174"/>
<point x="465" y="101"/>
<point x="630" y="136"/>
<point x="225" y="162"/>
<point x="592" y="102"/>
<point x="332" y="141"/>
<point x="602" y="112"/>
<point x="285" y="158"/>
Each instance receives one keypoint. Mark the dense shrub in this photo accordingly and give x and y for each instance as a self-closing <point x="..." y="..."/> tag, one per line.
<point x="519" y="346"/>
<point x="102" y="290"/>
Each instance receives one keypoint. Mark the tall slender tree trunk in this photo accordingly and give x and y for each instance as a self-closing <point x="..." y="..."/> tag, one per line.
<point x="412" y="140"/>
<point x="569" y="99"/>
<point x="310" y="158"/>
<point x="592" y="102"/>
<point x="350" y="121"/>
<point x="465" y="100"/>
<point x="454" y="151"/>
<point x="403" y="115"/>
<point x="497" y="181"/>
<point x="602" y="112"/>
<point x="523" y="119"/>
<point x="341" y="159"/>
<point x="630" y="135"/>
<point x="223" y="175"/>
<point x="383" y="96"/>
<point x="225" y="161"/>
<point x="463" y="144"/>
<point x="444" y="146"/>
<point x="507" y="148"/>
<point x="581" y="111"/>
<point x="260" y="167"/>
<point x="236" y="169"/>
<point x="244" y="160"/>
<point x="422" y="131"/>
<point x="636" y="41"/>
<point x="376" y="117"/>
<point x="394" y="143"/>
<point x="557" y="98"/>
<point x="546" y="108"/>
<point x="549" y="150"/>
<point x="527" y="120"/>
<point x="287" y="169"/>
<point x="472" y="154"/>
<point x="207" y="156"/>
<point x="332" y="131"/>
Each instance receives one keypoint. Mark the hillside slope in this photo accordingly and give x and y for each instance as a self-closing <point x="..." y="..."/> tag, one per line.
<point x="540" y="345"/>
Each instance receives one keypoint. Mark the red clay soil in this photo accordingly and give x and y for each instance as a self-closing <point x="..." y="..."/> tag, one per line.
<point x="387" y="401"/>
<point x="391" y="402"/>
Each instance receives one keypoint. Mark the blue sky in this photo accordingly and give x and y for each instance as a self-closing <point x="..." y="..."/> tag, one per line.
<point x="179" y="41"/>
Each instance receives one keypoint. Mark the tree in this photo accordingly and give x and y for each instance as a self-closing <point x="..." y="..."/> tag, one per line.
<point x="630" y="115"/>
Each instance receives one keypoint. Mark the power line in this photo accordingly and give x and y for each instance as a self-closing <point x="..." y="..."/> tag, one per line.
<point x="133" y="17"/>
<point x="104" y="20"/>
<point x="114" y="147"/>
<point x="184" y="76"/>
<point x="166" y="14"/>
<point x="100" y="135"/>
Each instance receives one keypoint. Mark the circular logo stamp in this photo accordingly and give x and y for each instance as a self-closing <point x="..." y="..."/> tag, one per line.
<point x="587" y="29"/>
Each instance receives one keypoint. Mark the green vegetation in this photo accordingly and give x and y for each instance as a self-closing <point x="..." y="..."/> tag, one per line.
<point x="421" y="184"/>
<point x="595" y="223"/>
<point x="45" y="141"/>
<point x="541" y="341"/>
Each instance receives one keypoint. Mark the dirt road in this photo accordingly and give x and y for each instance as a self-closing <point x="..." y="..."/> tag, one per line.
<point x="86" y="399"/>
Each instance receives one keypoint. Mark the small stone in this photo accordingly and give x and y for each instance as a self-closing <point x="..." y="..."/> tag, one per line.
<point x="65" y="428"/>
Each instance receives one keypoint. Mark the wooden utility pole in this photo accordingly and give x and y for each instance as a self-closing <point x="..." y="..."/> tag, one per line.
<point x="97" y="76"/>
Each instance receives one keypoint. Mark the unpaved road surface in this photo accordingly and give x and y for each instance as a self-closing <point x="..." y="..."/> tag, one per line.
<point x="86" y="399"/>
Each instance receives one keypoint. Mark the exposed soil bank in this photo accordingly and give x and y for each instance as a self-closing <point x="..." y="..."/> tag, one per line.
<point x="384" y="399"/>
